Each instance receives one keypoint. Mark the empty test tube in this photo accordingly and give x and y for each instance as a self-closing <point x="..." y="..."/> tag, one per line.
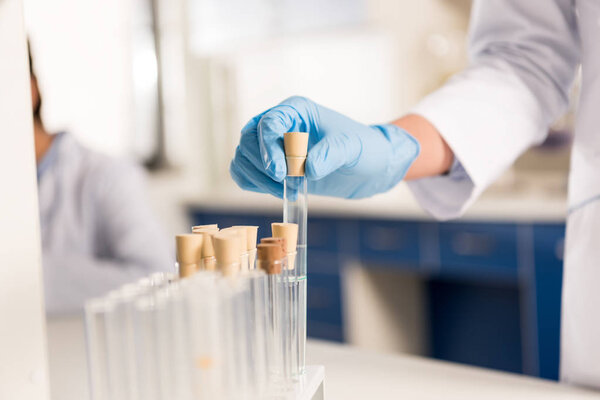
<point x="270" y="258"/>
<point x="235" y="313"/>
<point x="291" y="286"/>
<point x="97" y="351"/>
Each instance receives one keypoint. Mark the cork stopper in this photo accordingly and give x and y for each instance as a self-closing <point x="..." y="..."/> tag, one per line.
<point x="269" y="257"/>
<point x="200" y="228"/>
<point x="289" y="232"/>
<point x="227" y="248"/>
<point x="275" y="240"/>
<point x="296" y="147"/>
<point x="251" y="235"/>
<point x="207" y="244"/>
<point x="240" y="232"/>
<point x="188" y="253"/>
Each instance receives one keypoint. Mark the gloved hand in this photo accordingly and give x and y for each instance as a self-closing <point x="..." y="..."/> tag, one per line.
<point x="345" y="158"/>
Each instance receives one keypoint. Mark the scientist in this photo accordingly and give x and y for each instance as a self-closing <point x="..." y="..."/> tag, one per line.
<point x="98" y="231"/>
<point x="524" y="57"/>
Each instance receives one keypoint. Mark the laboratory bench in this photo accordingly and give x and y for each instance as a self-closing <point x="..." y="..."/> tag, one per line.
<point x="492" y="279"/>
<point x="350" y="373"/>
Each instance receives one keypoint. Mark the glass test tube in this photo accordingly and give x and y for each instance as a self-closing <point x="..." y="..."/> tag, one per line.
<point x="121" y="343"/>
<point x="147" y="348"/>
<point x="204" y="313"/>
<point x="259" y="326"/>
<point x="271" y="258"/>
<point x="96" y="341"/>
<point x="295" y="211"/>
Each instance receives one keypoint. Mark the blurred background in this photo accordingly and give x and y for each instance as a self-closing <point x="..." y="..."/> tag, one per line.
<point x="170" y="83"/>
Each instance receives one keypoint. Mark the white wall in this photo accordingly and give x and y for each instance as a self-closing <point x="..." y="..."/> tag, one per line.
<point x="23" y="370"/>
<point x="82" y="54"/>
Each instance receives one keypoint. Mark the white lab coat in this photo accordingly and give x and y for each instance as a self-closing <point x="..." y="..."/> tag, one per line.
<point x="98" y="231"/>
<point x="524" y="57"/>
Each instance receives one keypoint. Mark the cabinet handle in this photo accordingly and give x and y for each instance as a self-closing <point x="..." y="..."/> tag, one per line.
<point x="384" y="239"/>
<point x="471" y="244"/>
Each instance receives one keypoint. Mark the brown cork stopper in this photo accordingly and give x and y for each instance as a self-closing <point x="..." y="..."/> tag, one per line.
<point x="275" y="240"/>
<point x="251" y="235"/>
<point x="289" y="232"/>
<point x="188" y="253"/>
<point x="269" y="257"/>
<point x="296" y="147"/>
<point x="200" y="228"/>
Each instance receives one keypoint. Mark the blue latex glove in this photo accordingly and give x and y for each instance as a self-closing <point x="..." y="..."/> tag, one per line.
<point x="345" y="158"/>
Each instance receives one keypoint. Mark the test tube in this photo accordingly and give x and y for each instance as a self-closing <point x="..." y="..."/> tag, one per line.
<point x="97" y="352"/>
<point x="270" y="258"/>
<point x="295" y="206"/>
<point x="120" y="343"/>
<point x="178" y="341"/>
<point x="147" y="349"/>
<point x="205" y="347"/>
<point x="235" y="294"/>
<point x="291" y="286"/>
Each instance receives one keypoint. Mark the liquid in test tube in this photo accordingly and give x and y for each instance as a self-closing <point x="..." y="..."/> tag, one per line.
<point x="295" y="209"/>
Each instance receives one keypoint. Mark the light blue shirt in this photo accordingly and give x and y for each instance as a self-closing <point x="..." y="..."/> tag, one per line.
<point x="98" y="231"/>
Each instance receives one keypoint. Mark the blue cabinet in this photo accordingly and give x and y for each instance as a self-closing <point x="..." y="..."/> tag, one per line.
<point x="485" y="252"/>
<point x="549" y="242"/>
<point x="494" y="288"/>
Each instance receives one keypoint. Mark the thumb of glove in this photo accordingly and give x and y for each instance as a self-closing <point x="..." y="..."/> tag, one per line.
<point x="332" y="153"/>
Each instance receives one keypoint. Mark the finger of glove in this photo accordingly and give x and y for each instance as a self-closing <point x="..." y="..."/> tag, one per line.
<point x="248" y="147"/>
<point x="248" y="177"/>
<point x="251" y="126"/>
<point x="286" y="117"/>
<point x="330" y="154"/>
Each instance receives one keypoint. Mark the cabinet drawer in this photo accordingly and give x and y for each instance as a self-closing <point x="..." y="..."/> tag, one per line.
<point x="389" y="241"/>
<point x="322" y="234"/>
<point x="478" y="245"/>
<point x="324" y="299"/>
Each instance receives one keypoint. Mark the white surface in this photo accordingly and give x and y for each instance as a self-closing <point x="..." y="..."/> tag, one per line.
<point x="23" y="367"/>
<point x="308" y="387"/>
<point x="397" y="204"/>
<point x="350" y="374"/>
<point x="23" y="373"/>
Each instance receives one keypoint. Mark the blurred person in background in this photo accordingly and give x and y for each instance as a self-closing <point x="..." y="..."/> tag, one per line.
<point x="98" y="231"/>
<point x="458" y="140"/>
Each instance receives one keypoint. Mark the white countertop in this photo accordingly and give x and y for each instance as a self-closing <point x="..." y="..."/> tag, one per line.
<point x="495" y="205"/>
<point x="350" y="373"/>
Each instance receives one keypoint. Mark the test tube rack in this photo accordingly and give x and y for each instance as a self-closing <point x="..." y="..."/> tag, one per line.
<point x="202" y="334"/>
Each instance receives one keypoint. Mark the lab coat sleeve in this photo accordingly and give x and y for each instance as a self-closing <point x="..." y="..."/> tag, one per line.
<point x="523" y="58"/>
<point x="129" y="242"/>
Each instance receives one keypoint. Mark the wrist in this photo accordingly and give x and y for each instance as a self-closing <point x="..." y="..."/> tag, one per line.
<point x="436" y="157"/>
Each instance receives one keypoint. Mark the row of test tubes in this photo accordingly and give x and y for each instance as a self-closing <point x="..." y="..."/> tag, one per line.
<point x="223" y="327"/>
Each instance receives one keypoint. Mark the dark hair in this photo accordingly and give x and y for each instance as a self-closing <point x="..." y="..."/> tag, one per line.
<point x="36" y="107"/>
